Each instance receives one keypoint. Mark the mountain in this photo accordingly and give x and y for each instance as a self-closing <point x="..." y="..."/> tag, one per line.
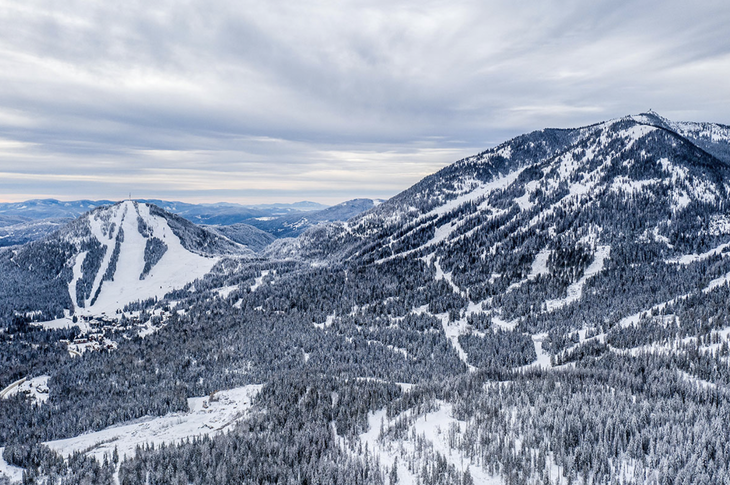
<point x="244" y="234"/>
<point x="225" y="213"/>
<point x="109" y="257"/>
<point x="551" y="310"/>
<point x="291" y="225"/>
<point x="33" y="219"/>
<point x="19" y="233"/>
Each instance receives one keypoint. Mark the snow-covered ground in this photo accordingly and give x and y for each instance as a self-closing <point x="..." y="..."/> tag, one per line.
<point x="435" y="428"/>
<point x="452" y="331"/>
<point x="206" y="416"/>
<point x="36" y="388"/>
<point x="260" y="280"/>
<point x="14" y="473"/>
<point x="543" y="358"/>
<point x="575" y="291"/>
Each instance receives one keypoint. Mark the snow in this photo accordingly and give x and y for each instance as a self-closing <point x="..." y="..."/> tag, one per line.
<point x="174" y="270"/>
<point x="524" y="200"/>
<point x="539" y="265"/>
<point x="722" y="280"/>
<point x="204" y="417"/>
<point x="452" y="331"/>
<point x="36" y="388"/>
<point x="14" y="473"/>
<point x="543" y="358"/>
<point x="629" y="186"/>
<point x="440" y="275"/>
<point x="77" y="274"/>
<point x="692" y="258"/>
<point x="327" y="323"/>
<point x="575" y="291"/>
<point x="701" y="383"/>
<point x="226" y="290"/>
<point x="64" y="322"/>
<point x="504" y="325"/>
<point x="482" y="189"/>
<point x="434" y="427"/>
<point x="260" y="280"/>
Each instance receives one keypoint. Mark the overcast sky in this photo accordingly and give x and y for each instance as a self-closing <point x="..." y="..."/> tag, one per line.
<point x="207" y="100"/>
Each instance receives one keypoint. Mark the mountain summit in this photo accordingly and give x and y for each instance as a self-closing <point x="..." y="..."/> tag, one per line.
<point x="108" y="258"/>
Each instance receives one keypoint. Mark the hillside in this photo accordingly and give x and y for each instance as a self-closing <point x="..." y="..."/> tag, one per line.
<point x="112" y="256"/>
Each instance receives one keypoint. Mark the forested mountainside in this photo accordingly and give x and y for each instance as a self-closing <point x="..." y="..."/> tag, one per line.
<point x="553" y="310"/>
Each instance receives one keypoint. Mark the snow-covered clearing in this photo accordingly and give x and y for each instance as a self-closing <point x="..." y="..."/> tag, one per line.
<point x="575" y="291"/>
<point x="64" y="322"/>
<point x="692" y="258"/>
<point x="327" y="323"/>
<point x="452" y="331"/>
<point x="14" y="473"/>
<point x="481" y="190"/>
<point x="226" y="290"/>
<point x="440" y="275"/>
<point x="543" y="358"/>
<point x="700" y="383"/>
<point x="205" y="417"/>
<point x="504" y="325"/>
<point x="539" y="267"/>
<point x="260" y="280"/>
<point x="435" y="427"/>
<point x="36" y="388"/>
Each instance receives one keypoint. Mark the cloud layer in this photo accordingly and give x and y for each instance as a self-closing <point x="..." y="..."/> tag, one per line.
<point x="280" y="101"/>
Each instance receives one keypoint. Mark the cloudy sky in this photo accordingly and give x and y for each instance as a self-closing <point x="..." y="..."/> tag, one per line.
<point x="208" y="100"/>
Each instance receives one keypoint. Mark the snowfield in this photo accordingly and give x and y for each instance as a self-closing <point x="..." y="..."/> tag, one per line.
<point x="206" y="416"/>
<point x="36" y="388"/>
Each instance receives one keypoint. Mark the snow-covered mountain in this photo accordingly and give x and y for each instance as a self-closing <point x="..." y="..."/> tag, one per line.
<point x="526" y="181"/>
<point x="541" y="229"/>
<point x="292" y="225"/>
<point x="108" y="258"/>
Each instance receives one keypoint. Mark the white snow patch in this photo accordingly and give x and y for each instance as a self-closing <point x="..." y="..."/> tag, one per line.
<point x="77" y="274"/>
<point x="543" y="358"/>
<point x="504" y="325"/>
<point x="14" y="473"/>
<point x="260" y="280"/>
<point x="174" y="270"/>
<point x="691" y="258"/>
<point x="575" y="291"/>
<point x="440" y="275"/>
<point x="327" y="323"/>
<point x="36" y="388"/>
<point x="226" y="290"/>
<point x="524" y="200"/>
<point x="435" y="428"/>
<point x="205" y="417"/>
<point x="64" y="322"/>
<point x="482" y="190"/>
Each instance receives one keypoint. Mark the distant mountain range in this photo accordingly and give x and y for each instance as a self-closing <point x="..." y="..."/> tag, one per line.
<point x="22" y="222"/>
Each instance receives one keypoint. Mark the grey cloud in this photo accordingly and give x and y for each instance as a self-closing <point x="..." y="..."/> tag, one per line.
<point x="305" y="90"/>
